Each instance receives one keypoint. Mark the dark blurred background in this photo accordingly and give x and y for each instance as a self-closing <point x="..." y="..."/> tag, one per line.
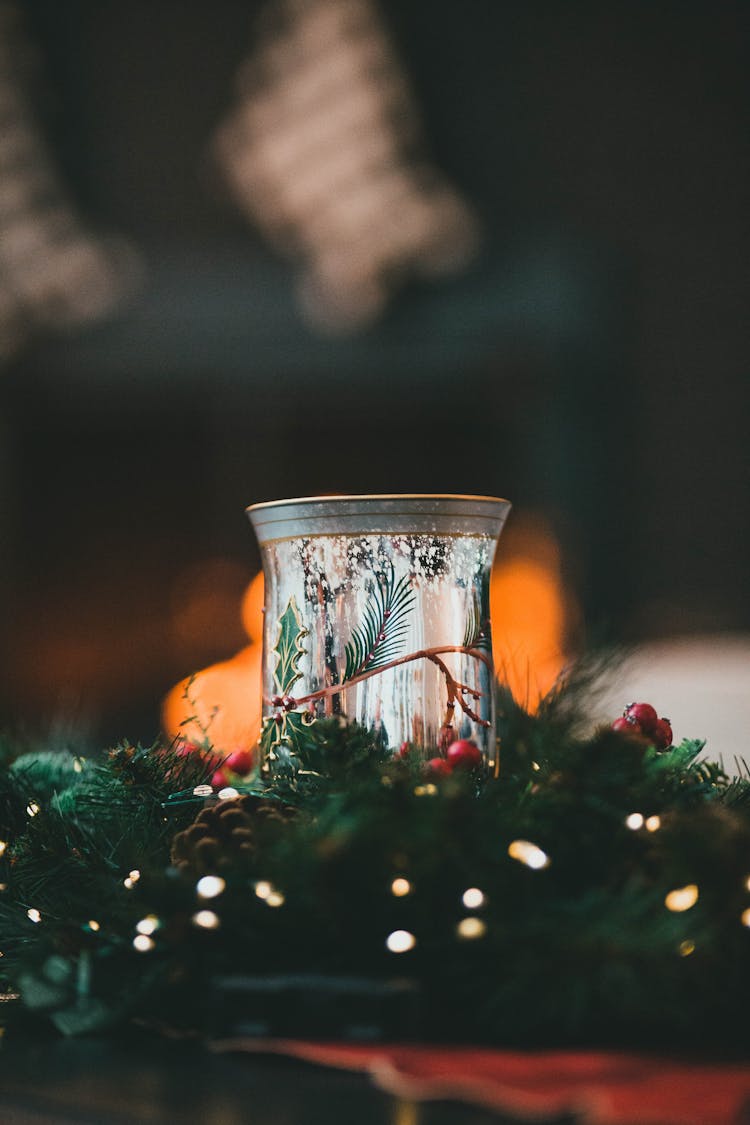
<point x="589" y="362"/>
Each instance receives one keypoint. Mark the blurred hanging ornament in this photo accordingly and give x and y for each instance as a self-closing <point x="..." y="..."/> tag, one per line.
<point x="324" y="152"/>
<point x="54" y="272"/>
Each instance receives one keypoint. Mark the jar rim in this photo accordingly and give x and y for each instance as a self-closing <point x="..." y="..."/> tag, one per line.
<point x="375" y="496"/>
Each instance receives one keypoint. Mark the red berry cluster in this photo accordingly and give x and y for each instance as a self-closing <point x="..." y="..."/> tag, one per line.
<point x="463" y="754"/>
<point x="641" y="719"/>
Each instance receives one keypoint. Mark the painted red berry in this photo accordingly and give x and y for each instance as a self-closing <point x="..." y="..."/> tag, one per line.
<point x="404" y="750"/>
<point x="662" y="734"/>
<point x="439" y="767"/>
<point x="643" y="714"/>
<point x="241" y="762"/>
<point x="219" y="779"/>
<point x="464" y="754"/>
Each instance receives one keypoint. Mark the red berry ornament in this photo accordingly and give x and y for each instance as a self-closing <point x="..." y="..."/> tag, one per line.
<point x="643" y="714"/>
<point x="219" y="779"/>
<point x="627" y="726"/>
<point x="440" y="767"/>
<point x="464" y="755"/>
<point x="185" y="749"/>
<point x="241" y="762"/>
<point x="404" y="750"/>
<point x="662" y="734"/>
<point x="642" y="719"/>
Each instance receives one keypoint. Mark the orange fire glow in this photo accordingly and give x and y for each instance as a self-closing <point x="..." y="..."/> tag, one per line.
<point x="530" y="613"/>
<point x="223" y="702"/>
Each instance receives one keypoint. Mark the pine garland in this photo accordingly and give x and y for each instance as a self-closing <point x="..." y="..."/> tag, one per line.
<point x="610" y="885"/>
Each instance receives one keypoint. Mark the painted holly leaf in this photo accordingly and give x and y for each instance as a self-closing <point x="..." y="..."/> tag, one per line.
<point x="290" y="732"/>
<point x="289" y="648"/>
<point x="286" y="726"/>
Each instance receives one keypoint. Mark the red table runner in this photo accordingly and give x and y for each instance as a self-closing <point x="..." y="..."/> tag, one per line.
<point x="603" y="1087"/>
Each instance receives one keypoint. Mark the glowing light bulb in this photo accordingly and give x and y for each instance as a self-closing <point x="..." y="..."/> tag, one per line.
<point x="634" y="821"/>
<point x="143" y="943"/>
<point x="263" y="889"/>
<point x="210" y="886"/>
<point x="653" y="824"/>
<point x="3" y="846"/>
<point x="745" y="917"/>
<point x="32" y="808"/>
<point x="681" y="898"/>
<point x="471" y="928"/>
<point x="203" y="791"/>
<point x="473" y="898"/>
<point x="93" y="925"/>
<point x="206" y="920"/>
<point x="227" y="793"/>
<point x="148" y="925"/>
<point x="275" y="898"/>
<point x="33" y="915"/>
<point x="401" y="887"/>
<point x="528" y="854"/>
<point x="685" y="948"/>
<point x="400" y="941"/>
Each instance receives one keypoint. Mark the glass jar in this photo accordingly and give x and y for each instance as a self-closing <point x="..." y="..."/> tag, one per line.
<point x="377" y="609"/>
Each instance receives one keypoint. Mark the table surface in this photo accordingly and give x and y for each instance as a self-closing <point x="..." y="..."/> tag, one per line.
<point x="121" y="1081"/>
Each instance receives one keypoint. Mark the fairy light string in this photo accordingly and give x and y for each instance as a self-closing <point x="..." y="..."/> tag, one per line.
<point x="367" y="863"/>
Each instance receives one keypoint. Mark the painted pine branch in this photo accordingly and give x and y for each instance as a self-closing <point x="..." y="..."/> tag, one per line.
<point x="383" y="628"/>
<point x="475" y="635"/>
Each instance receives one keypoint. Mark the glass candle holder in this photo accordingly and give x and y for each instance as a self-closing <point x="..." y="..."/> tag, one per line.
<point x="377" y="609"/>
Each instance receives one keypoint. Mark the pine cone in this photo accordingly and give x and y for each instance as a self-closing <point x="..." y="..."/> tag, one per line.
<point x="228" y="835"/>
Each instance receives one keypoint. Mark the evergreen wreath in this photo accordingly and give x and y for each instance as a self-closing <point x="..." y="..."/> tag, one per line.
<point x="596" y="890"/>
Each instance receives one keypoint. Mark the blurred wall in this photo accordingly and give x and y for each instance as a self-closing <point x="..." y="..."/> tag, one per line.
<point x="591" y="365"/>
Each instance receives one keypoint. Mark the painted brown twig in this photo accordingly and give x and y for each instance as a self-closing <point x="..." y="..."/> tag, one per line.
<point x="456" y="690"/>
